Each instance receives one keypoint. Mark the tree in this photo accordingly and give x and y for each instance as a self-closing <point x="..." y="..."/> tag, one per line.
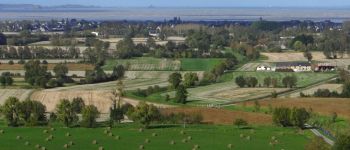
<point x="36" y="74"/>
<point x="181" y="94"/>
<point x="78" y="104"/>
<point x="342" y="142"/>
<point x="308" y="56"/>
<point x="317" y="143"/>
<point x="116" y="111"/>
<point x="89" y="116"/>
<point x="289" y="81"/>
<point x="298" y="45"/>
<point x="3" y="40"/>
<point x="118" y="72"/>
<point x="145" y="114"/>
<point x="267" y="81"/>
<point x="151" y="43"/>
<point x="11" y="111"/>
<point x="60" y="70"/>
<point x="299" y="116"/>
<point x="334" y="117"/>
<point x="251" y="81"/>
<point x="125" y="48"/>
<point x="240" y="81"/>
<point x="32" y="112"/>
<point x="65" y="113"/>
<point x="281" y="116"/>
<point x="175" y="80"/>
<point x="190" y="79"/>
<point x="256" y="105"/>
<point x="240" y="122"/>
<point x="346" y="90"/>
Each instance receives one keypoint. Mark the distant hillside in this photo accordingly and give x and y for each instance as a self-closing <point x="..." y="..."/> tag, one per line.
<point x="32" y="6"/>
<point x="19" y="6"/>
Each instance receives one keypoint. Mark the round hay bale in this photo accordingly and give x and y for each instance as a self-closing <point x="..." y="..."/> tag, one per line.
<point x="248" y="138"/>
<point x="43" y="148"/>
<point x="37" y="146"/>
<point x="172" y="142"/>
<point x="229" y="146"/>
<point x="101" y="148"/>
<point x="182" y="132"/>
<point x="71" y="143"/>
<point x="141" y="147"/>
<point x="154" y="134"/>
<point x="26" y="143"/>
<point x="68" y="134"/>
<point x="105" y="131"/>
<point x="45" y="131"/>
<point x="241" y="135"/>
<point x="147" y="141"/>
<point x="140" y="130"/>
<point x="2" y="131"/>
<point x="196" y="146"/>
<point x="52" y="129"/>
<point x="18" y="137"/>
<point x="189" y="138"/>
<point x="65" y="146"/>
<point x="94" y="142"/>
<point x="273" y="138"/>
<point x="110" y="134"/>
<point x="184" y="140"/>
<point x="117" y="137"/>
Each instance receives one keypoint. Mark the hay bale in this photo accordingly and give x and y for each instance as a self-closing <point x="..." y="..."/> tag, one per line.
<point x="105" y="131"/>
<point x="248" y="138"/>
<point x="229" y="146"/>
<point x="65" y="146"/>
<point x="154" y="134"/>
<point x="18" y="137"/>
<point x="182" y="132"/>
<point x="68" y="134"/>
<point x="94" y="142"/>
<point x="273" y="138"/>
<point x="45" y="131"/>
<point x="43" y="148"/>
<point x="110" y="134"/>
<point x="189" y="138"/>
<point x="172" y="142"/>
<point x="26" y="143"/>
<point x="117" y="137"/>
<point x="196" y="146"/>
<point x="100" y="148"/>
<point x="140" y="130"/>
<point x="71" y="143"/>
<point x="37" y="146"/>
<point x="52" y="129"/>
<point x="2" y="131"/>
<point x="141" y="147"/>
<point x="184" y="140"/>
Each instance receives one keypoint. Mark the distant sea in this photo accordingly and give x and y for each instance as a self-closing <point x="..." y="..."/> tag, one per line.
<point x="187" y="14"/>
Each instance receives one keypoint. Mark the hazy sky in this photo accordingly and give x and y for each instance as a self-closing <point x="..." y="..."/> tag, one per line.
<point x="191" y="3"/>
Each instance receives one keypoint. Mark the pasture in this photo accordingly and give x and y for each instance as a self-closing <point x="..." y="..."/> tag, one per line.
<point x="311" y="91"/>
<point x="128" y="136"/>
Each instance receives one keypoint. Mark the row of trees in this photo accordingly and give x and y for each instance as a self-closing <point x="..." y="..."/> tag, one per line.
<point x="287" y="81"/>
<point x="6" y="79"/>
<point x="38" y="52"/>
<point x="176" y="83"/>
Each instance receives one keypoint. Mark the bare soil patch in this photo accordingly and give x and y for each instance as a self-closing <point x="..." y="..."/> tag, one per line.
<point x="220" y="116"/>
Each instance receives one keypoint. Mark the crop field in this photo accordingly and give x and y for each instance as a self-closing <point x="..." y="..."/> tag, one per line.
<point x="21" y="94"/>
<point x="311" y="91"/>
<point x="249" y="67"/>
<point x="144" y="64"/>
<point x="128" y="136"/>
<point x="199" y="64"/>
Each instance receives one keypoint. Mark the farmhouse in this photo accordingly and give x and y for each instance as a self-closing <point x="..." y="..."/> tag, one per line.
<point x="324" y="66"/>
<point x="266" y="67"/>
<point x="293" y="66"/>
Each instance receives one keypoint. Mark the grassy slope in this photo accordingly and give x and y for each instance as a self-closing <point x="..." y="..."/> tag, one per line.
<point x="208" y="137"/>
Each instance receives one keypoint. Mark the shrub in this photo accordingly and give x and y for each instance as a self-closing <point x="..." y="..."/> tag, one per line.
<point x="240" y="81"/>
<point x="11" y="62"/>
<point x="240" y="122"/>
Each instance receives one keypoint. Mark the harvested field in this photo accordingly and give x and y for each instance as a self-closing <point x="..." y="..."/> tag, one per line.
<point x="144" y="64"/>
<point x="324" y="106"/>
<point x="220" y="116"/>
<point x="71" y="67"/>
<point x="311" y="91"/>
<point x="50" y="61"/>
<point x="241" y="94"/>
<point x="21" y="94"/>
<point x="249" y="67"/>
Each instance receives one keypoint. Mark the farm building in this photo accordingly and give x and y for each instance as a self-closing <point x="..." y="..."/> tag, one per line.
<point x="293" y="66"/>
<point x="324" y="66"/>
<point x="266" y="67"/>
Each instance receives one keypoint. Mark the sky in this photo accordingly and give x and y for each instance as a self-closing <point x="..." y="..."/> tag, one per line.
<point x="189" y="3"/>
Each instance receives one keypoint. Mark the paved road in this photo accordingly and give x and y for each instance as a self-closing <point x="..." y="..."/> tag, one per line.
<point x="317" y="133"/>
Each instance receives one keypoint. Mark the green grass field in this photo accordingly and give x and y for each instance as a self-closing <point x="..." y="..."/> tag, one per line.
<point x="199" y="64"/>
<point x="207" y="137"/>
